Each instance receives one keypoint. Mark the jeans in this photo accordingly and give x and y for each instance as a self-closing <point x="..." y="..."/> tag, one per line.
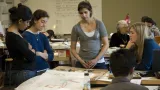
<point x="97" y="66"/>
<point x="16" y="77"/>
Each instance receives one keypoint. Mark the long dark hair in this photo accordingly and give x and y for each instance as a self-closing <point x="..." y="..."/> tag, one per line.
<point x="38" y="14"/>
<point x="148" y="19"/>
<point x="21" y="12"/>
<point x="51" y="33"/>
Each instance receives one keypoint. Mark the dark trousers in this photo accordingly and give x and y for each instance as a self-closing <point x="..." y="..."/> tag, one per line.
<point x="16" y="77"/>
<point x="97" y="66"/>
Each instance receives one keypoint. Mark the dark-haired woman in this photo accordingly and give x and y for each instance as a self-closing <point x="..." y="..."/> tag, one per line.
<point x="23" y="65"/>
<point x="93" y="39"/>
<point x="38" y="40"/>
<point x="151" y="25"/>
<point x="50" y="34"/>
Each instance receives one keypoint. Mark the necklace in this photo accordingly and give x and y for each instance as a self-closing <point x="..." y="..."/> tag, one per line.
<point x="36" y="35"/>
<point x="124" y="41"/>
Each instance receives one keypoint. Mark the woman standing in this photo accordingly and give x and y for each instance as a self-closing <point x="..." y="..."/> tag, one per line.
<point x="93" y="39"/>
<point x="23" y="64"/>
<point x="38" y="40"/>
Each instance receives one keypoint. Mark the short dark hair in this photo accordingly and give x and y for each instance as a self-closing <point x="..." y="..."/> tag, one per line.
<point x="21" y="12"/>
<point x="51" y="33"/>
<point x="38" y="14"/>
<point x="85" y="4"/>
<point x="148" y="19"/>
<point x="144" y="18"/>
<point x="122" y="61"/>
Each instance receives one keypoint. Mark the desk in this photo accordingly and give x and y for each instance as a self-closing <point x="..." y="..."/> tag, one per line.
<point x="2" y="45"/>
<point x="61" y="55"/>
<point x="150" y="81"/>
<point x="35" y="78"/>
<point x="64" y="46"/>
<point x="47" y="81"/>
<point x="27" y="85"/>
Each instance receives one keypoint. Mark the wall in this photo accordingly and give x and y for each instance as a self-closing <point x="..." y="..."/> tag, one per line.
<point x="114" y="10"/>
<point x="63" y="13"/>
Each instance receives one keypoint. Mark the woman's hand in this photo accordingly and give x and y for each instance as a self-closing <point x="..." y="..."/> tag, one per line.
<point x="84" y="64"/>
<point x="92" y="63"/>
<point x="30" y="47"/>
<point x="44" y="55"/>
<point x="130" y="44"/>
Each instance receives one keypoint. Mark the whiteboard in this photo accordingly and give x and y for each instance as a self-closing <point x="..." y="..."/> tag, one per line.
<point x="63" y="13"/>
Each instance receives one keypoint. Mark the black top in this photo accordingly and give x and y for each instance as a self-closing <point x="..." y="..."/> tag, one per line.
<point x="117" y="39"/>
<point x="23" y="57"/>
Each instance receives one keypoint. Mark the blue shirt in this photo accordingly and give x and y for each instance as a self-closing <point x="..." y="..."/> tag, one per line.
<point x="39" y="43"/>
<point x="147" y="58"/>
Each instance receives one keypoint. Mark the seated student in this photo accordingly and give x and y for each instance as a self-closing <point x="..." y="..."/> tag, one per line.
<point x="38" y="40"/>
<point x="120" y="38"/>
<point x="152" y="25"/>
<point x="143" y="45"/>
<point x="122" y="63"/>
<point x="51" y="34"/>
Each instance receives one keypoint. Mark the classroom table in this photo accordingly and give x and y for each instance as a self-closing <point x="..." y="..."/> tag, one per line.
<point x="151" y="81"/>
<point x="62" y="51"/>
<point x="36" y="78"/>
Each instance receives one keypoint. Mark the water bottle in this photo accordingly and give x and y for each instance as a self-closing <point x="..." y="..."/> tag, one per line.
<point x="87" y="85"/>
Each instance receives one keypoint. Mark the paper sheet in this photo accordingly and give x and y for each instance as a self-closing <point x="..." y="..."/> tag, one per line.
<point x="112" y="49"/>
<point x="2" y="44"/>
<point x="56" y="80"/>
<point x="153" y="87"/>
<point x="105" y="78"/>
<point x="136" y="81"/>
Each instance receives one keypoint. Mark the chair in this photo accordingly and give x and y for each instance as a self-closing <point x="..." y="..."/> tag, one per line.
<point x="157" y="39"/>
<point x="8" y="66"/>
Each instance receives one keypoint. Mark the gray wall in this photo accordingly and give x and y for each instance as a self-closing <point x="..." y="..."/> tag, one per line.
<point x="114" y="10"/>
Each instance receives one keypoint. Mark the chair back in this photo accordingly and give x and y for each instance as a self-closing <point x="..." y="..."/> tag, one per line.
<point x="156" y="60"/>
<point x="157" y="39"/>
